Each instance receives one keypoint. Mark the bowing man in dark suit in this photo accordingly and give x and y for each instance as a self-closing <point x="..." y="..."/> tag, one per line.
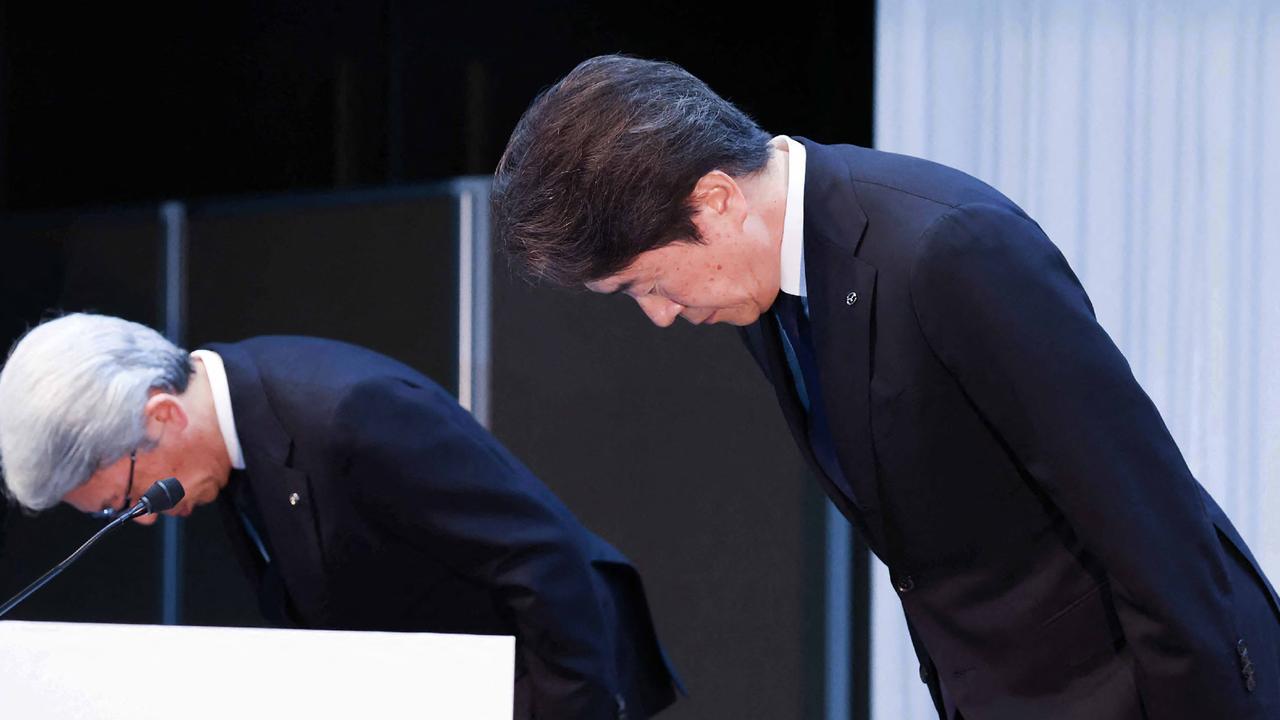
<point x="364" y="497"/>
<point x="942" y="369"/>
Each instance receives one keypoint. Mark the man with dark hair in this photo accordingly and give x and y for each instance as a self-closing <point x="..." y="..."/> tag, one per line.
<point x="942" y="370"/>
<point x="359" y="494"/>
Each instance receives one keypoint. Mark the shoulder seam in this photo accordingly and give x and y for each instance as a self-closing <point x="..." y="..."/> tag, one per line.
<point x="905" y="192"/>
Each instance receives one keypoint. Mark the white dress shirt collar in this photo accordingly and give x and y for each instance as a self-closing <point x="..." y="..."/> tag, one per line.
<point x="793" y="282"/>
<point x="217" y="374"/>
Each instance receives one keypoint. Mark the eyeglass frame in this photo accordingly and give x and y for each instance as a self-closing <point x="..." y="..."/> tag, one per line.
<point x="113" y="513"/>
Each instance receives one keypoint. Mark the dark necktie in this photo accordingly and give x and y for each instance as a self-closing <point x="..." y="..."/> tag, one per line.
<point x="247" y="513"/>
<point x="794" y="321"/>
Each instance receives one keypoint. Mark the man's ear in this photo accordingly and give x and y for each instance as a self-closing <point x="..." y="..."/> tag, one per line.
<point x="715" y="192"/>
<point x="164" y="412"/>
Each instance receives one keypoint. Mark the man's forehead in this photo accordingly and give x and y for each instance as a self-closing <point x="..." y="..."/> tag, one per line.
<point x="646" y="266"/>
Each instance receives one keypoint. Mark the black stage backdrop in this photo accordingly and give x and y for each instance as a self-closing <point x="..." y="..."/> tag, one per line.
<point x="665" y="442"/>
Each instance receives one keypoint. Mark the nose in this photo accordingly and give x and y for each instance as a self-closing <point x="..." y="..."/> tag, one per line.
<point x="661" y="311"/>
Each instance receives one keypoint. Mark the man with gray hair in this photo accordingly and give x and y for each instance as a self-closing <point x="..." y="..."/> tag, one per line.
<point x="362" y="496"/>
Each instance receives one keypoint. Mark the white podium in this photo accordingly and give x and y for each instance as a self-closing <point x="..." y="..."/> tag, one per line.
<point x="60" y="671"/>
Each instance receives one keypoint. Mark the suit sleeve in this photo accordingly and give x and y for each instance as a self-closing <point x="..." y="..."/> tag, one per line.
<point x="1005" y="314"/>
<point x="428" y="473"/>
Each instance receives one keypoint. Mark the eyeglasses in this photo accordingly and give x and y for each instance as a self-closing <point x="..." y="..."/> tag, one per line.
<point x="113" y="513"/>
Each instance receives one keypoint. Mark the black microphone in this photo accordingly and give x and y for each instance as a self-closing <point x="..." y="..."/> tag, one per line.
<point x="158" y="498"/>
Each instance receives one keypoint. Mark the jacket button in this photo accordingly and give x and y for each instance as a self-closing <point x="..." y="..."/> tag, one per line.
<point x="295" y="498"/>
<point x="925" y="674"/>
<point x="906" y="584"/>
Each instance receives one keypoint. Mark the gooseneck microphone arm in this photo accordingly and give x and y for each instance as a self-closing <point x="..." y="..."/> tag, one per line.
<point x="160" y="497"/>
<point x="120" y="519"/>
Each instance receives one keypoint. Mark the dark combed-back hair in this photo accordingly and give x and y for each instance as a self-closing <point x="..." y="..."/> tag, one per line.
<point x="601" y="166"/>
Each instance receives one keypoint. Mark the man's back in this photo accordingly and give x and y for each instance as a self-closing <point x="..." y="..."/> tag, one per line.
<point x="414" y="518"/>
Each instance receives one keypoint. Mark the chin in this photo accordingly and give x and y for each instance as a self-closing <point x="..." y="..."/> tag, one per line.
<point x="740" y="318"/>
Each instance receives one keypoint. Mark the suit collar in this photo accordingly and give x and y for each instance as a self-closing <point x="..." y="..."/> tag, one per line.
<point x="834" y="220"/>
<point x="265" y="438"/>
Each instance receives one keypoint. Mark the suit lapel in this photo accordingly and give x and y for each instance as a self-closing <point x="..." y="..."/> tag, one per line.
<point x="764" y="340"/>
<point x="841" y="297"/>
<point x="281" y="491"/>
<point x="841" y="291"/>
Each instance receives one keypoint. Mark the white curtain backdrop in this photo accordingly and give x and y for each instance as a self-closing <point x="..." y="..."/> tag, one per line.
<point x="1144" y="136"/>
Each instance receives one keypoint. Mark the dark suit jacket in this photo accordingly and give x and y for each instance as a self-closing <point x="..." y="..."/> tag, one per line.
<point x="1053" y="554"/>
<point x="385" y="506"/>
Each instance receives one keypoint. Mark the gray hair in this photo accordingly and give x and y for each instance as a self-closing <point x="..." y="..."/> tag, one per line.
<point x="72" y="396"/>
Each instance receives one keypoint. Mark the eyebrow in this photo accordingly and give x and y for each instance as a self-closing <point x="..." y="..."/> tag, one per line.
<point x="624" y="287"/>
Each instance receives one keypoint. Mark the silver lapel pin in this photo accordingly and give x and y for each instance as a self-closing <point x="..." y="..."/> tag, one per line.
<point x="851" y="298"/>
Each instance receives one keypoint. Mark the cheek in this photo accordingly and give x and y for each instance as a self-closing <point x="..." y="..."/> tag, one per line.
<point x="727" y="285"/>
<point x="80" y="500"/>
<point x="193" y="487"/>
<point x="93" y="495"/>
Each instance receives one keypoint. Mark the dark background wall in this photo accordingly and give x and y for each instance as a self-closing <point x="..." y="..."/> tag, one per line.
<point x="109" y="263"/>
<point x="669" y="443"/>
<point x="104" y="103"/>
<point x="665" y="442"/>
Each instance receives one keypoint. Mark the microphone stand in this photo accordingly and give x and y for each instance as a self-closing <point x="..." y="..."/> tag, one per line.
<point x="135" y="511"/>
